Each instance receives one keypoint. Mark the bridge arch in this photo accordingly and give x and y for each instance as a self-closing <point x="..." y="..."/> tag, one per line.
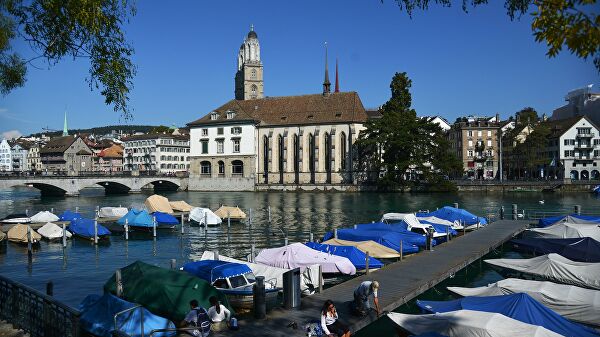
<point x="113" y="187"/>
<point x="49" y="190"/>
<point x="164" y="185"/>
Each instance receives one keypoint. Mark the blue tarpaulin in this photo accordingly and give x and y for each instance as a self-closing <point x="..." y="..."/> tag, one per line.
<point x="388" y="239"/>
<point x="97" y="317"/>
<point x="520" y="306"/>
<point x="453" y="214"/>
<point x="575" y="249"/>
<point x="545" y="222"/>
<point x="70" y="216"/>
<point x="138" y="218"/>
<point x="212" y="270"/>
<point x="398" y="227"/>
<point x="164" y="218"/>
<point x="85" y="228"/>
<point x="355" y="255"/>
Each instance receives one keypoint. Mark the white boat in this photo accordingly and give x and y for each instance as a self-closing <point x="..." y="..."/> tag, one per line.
<point x="574" y="303"/>
<point x="456" y="225"/>
<point x="112" y="212"/>
<point x="201" y="215"/>
<point x="297" y="255"/>
<point x="16" y="219"/>
<point x="565" y="230"/>
<point x="412" y="222"/>
<point x="555" y="268"/>
<point x="468" y="323"/>
<point x="44" y="216"/>
<point x="51" y="231"/>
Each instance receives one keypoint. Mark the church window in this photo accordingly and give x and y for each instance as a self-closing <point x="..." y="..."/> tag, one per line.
<point x="253" y="90"/>
<point x="253" y="74"/>
<point x="343" y="151"/>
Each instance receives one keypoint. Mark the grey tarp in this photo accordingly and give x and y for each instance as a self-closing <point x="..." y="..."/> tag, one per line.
<point x="52" y="231"/>
<point x="565" y="230"/>
<point x="112" y="212"/>
<point x="44" y="216"/>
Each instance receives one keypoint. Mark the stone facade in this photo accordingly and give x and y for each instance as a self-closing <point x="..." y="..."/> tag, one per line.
<point x="66" y="155"/>
<point x="249" y="82"/>
<point x="225" y="173"/>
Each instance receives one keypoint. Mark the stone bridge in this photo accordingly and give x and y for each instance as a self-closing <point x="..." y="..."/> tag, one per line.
<point x="71" y="185"/>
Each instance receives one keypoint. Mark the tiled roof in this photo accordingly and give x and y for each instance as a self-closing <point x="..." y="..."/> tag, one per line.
<point x="114" y="151"/>
<point x="341" y="107"/>
<point x="58" y="144"/>
<point x="558" y="127"/>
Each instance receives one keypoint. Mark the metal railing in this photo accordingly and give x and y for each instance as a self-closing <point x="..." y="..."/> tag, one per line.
<point x="37" y="314"/>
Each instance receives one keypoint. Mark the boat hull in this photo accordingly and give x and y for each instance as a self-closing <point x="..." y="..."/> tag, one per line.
<point x="242" y="300"/>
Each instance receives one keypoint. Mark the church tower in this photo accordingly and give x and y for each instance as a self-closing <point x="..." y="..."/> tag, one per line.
<point x="249" y="76"/>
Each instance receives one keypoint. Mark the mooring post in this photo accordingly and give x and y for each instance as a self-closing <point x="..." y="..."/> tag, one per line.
<point x="182" y="222"/>
<point x="50" y="288"/>
<point x="173" y="264"/>
<point x="64" y="235"/>
<point x="464" y="226"/>
<point x="27" y="212"/>
<point x="252" y="252"/>
<point x="311" y="237"/>
<point x="269" y="213"/>
<point x="320" y="279"/>
<point x="29" y="244"/>
<point x="98" y="211"/>
<point x="126" y="229"/>
<point x="153" y="226"/>
<point x="250" y="218"/>
<point x="95" y="232"/>
<point x="216" y="254"/>
<point x="286" y="241"/>
<point x="367" y="263"/>
<point x="76" y="209"/>
<point x="355" y="226"/>
<point x="228" y="219"/>
<point x="501" y="212"/>
<point x="335" y="233"/>
<point x="456" y="205"/>
<point x="205" y="220"/>
<point x="259" y="298"/>
<point x="52" y="210"/>
<point x="447" y="234"/>
<point x="401" y="250"/>
<point x="514" y="212"/>
<point x="578" y="209"/>
<point x="119" y="283"/>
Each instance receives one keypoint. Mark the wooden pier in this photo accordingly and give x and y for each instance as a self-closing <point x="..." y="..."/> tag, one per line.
<point x="400" y="282"/>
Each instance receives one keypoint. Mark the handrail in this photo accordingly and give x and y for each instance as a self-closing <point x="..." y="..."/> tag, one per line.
<point x="131" y="309"/>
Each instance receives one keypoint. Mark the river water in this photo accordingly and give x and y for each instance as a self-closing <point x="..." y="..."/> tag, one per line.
<point x="82" y="268"/>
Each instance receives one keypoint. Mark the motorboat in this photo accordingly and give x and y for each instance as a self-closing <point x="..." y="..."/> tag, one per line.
<point x="164" y="220"/>
<point x="201" y="216"/>
<point x="565" y="230"/>
<point x="23" y="234"/>
<point x="158" y="203"/>
<point x="16" y="219"/>
<point x="70" y="216"/>
<point x="112" y="212"/>
<point x="180" y="206"/>
<point x="235" y="280"/>
<point x="84" y="228"/>
<point x="51" y="231"/>
<point x="410" y="241"/>
<point x="355" y="255"/>
<point x="411" y="223"/>
<point x="137" y="220"/>
<point x="469" y="220"/>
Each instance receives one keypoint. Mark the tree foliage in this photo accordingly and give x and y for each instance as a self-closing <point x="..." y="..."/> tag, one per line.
<point x="55" y="29"/>
<point x="574" y="24"/>
<point x="161" y="129"/>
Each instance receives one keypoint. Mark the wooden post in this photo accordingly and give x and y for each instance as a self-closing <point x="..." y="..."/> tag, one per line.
<point x="447" y="233"/>
<point x="182" y="223"/>
<point x="464" y="227"/>
<point x="252" y="253"/>
<point x="228" y="219"/>
<point x="367" y="263"/>
<point x="501" y="212"/>
<point x="52" y="210"/>
<point x="577" y="209"/>
<point x="216" y="255"/>
<point x="50" y="288"/>
<point x="96" y="232"/>
<point x="119" y="283"/>
<point x="514" y="212"/>
<point x="98" y="211"/>
<point x="456" y="205"/>
<point x="401" y="250"/>
<point x="126" y="229"/>
<point x="173" y="264"/>
<point x="286" y="241"/>
<point x="29" y="244"/>
<point x="205" y="220"/>
<point x="153" y="226"/>
<point x="64" y="235"/>
<point x="250" y="217"/>
<point x="76" y="209"/>
<point x="320" y="279"/>
<point x="335" y="234"/>
<point x="269" y="213"/>
<point x="27" y="212"/>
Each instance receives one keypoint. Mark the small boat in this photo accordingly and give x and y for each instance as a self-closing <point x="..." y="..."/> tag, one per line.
<point x="570" y="218"/>
<point x="382" y="233"/>
<point x="468" y="219"/>
<point x="84" y="228"/>
<point x="164" y="220"/>
<point x="112" y="212"/>
<point x="43" y="217"/>
<point x="356" y="256"/>
<point x="456" y="225"/>
<point x="158" y="203"/>
<point x="235" y="280"/>
<point x="181" y="206"/>
<point x="230" y="212"/>
<point x="19" y="234"/>
<point x="297" y="255"/>
<point x="16" y="218"/>
<point x="70" y="216"/>
<point x="51" y="231"/>
<point x="565" y="230"/>
<point x="576" y="249"/>
<point x="137" y="220"/>
<point x="200" y="216"/>
<point x="411" y="223"/>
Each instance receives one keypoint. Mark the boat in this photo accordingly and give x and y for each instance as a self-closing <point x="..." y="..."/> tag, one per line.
<point x="70" y="216"/>
<point x="235" y="280"/>
<point x="158" y="203"/>
<point x="230" y="212"/>
<point x="391" y="239"/>
<point x="19" y="234"/>
<point x="375" y="250"/>
<point x="575" y="303"/>
<point x="100" y="317"/>
<point x="51" y="231"/>
<point x="456" y="225"/>
<point x="84" y="228"/>
<point x="137" y="220"/>
<point x="200" y="215"/>
<point x="357" y="257"/>
<point x="16" y="219"/>
<point x="409" y="222"/>
<point x="43" y="217"/>
<point x="565" y="230"/>
<point x="555" y="268"/>
<point x="297" y="255"/>
<point x="571" y="218"/>
<point x="112" y="212"/>
<point x="468" y="219"/>
<point x="164" y="220"/>
<point x="180" y="206"/>
<point x="165" y="292"/>
<point x="521" y="307"/>
<point x="470" y="323"/>
<point x="2" y="236"/>
<point x="576" y="249"/>
<point x="309" y="280"/>
<point x="400" y="228"/>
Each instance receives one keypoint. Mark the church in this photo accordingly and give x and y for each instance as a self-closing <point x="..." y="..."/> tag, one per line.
<point x="255" y="142"/>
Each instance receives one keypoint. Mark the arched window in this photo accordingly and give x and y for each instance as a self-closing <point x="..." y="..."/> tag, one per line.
<point x="253" y="74"/>
<point x="221" y="168"/>
<point x="237" y="168"/>
<point x="311" y="157"/>
<point x="266" y="158"/>
<point x="253" y="90"/>
<point x="327" y="142"/>
<point x="343" y="151"/>
<point x="205" y="168"/>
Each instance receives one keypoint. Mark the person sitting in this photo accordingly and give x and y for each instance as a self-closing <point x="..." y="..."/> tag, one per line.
<point x="197" y="317"/>
<point x="218" y="314"/>
<point x="361" y="297"/>
<point x="330" y="323"/>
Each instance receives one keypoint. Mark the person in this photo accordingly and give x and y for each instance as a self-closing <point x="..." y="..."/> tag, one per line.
<point x="218" y="314"/>
<point x="330" y="323"/>
<point x="362" y="294"/>
<point x="197" y="317"/>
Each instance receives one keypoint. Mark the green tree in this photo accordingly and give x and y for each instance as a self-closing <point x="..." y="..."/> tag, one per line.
<point x="161" y="129"/>
<point x="574" y="24"/>
<point x="527" y="116"/>
<point x="55" y="29"/>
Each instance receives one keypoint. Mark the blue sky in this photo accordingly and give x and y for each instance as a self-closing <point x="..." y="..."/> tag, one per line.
<point x="478" y="63"/>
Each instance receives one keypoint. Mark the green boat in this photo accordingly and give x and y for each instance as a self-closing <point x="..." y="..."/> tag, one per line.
<point x="166" y="293"/>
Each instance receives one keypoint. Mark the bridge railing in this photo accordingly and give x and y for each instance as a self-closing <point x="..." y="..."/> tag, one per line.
<point x="64" y="175"/>
<point x="37" y="314"/>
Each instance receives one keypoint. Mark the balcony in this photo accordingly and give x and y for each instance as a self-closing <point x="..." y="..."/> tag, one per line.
<point x="583" y="157"/>
<point x="585" y="135"/>
<point x="584" y="146"/>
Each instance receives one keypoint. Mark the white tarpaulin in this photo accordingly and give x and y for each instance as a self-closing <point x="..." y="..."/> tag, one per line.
<point x="573" y="303"/>
<point x="297" y="255"/>
<point x="409" y="218"/>
<point x="557" y="268"/>
<point x="52" y="231"/>
<point x="468" y="323"/>
<point x="44" y="216"/>
<point x="112" y="212"/>
<point x="565" y="230"/>
<point x="436" y="220"/>
<point x="200" y="215"/>
<point x="274" y="275"/>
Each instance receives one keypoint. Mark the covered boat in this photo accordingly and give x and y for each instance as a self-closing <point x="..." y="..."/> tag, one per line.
<point x="98" y="317"/>
<point x="556" y="268"/>
<point x="383" y="237"/>
<point x="233" y="279"/>
<point x="2" y="236"/>
<point x="576" y="249"/>
<point x="457" y="214"/>
<point x="357" y="257"/>
<point x="298" y="255"/>
<point x="571" y="218"/>
<point x="51" y="231"/>
<point x="84" y="228"/>
<point x="468" y="323"/>
<point x="18" y="234"/>
<point x="201" y="215"/>
<point x="574" y="303"/>
<point x="180" y="206"/>
<point x="309" y="280"/>
<point x="137" y="219"/>
<point x="44" y="216"/>
<point x="16" y="218"/>
<point x="409" y="222"/>
<point x="233" y="213"/>
<point x="521" y="307"/>
<point x="565" y="230"/>
<point x="164" y="219"/>
<point x="375" y="250"/>
<point x="456" y="225"/>
<point x="164" y="292"/>
<point x="158" y="203"/>
<point x="69" y="216"/>
<point x="112" y="212"/>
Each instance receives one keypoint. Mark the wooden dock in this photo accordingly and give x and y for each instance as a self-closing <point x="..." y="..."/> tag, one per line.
<point x="400" y="282"/>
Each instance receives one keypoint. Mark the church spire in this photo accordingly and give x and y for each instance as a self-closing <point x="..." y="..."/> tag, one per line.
<point x="65" y="128"/>
<point x="326" y="83"/>
<point x="337" y="80"/>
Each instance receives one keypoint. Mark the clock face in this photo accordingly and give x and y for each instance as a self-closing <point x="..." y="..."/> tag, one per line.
<point x="82" y="164"/>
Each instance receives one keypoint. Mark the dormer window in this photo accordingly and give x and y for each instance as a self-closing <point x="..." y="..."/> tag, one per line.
<point x="230" y="114"/>
<point x="214" y="116"/>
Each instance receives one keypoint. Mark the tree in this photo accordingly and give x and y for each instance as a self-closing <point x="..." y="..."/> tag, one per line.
<point x="527" y="116"/>
<point x="161" y="129"/>
<point x="55" y="29"/>
<point x="574" y="24"/>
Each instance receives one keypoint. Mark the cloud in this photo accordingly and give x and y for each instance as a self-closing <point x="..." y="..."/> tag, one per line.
<point x="11" y="134"/>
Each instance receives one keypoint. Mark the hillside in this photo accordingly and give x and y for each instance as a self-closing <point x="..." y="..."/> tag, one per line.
<point x="101" y="130"/>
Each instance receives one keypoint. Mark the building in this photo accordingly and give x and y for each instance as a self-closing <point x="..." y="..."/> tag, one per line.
<point x="275" y="142"/>
<point x="159" y="152"/>
<point x="474" y="140"/>
<point x="109" y="160"/>
<point x="66" y="155"/>
<point x="5" y="156"/>
<point x="19" y="156"/>
<point x="580" y="102"/>
<point x="573" y="149"/>
<point x="439" y="120"/>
